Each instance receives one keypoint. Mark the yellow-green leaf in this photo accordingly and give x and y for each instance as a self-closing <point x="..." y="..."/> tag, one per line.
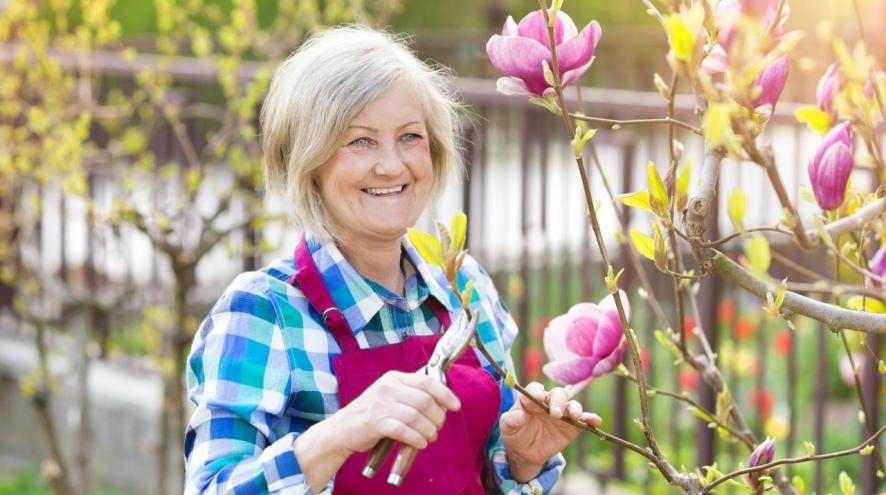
<point x="717" y="124"/>
<point x="428" y="246"/>
<point x="457" y="229"/>
<point x="846" y="484"/>
<point x="639" y="199"/>
<point x="643" y="243"/>
<point x="683" y="178"/>
<point x="737" y="207"/>
<point x="860" y="303"/>
<point x="756" y="248"/>
<point x="658" y="195"/>
<point x="817" y="119"/>
<point x="682" y="41"/>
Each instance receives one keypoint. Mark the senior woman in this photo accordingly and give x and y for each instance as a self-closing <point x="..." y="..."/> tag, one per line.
<point x="303" y="366"/>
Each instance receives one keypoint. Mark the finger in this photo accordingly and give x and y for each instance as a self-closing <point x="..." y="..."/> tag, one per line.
<point x="511" y="422"/>
<point x="574" y="410"/>
<point x="415" y="420"/>
<point x="400" y="431"/>
<point x="424" y="403"/>
<point x="591" y="419"/>
<point x="536" y="390"/>
<point x="435" y="388"/>
<point x="557" y="404"/>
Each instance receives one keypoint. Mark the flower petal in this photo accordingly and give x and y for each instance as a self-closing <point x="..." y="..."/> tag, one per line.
<point x="578" y="51"/>
<point x="833" y="174"/>
<point x="716" y="62"/>
<point x="519" y="57"/>
<point x="534" y="26"/>
<point x="572" y="75"/>
<point x="511" y="86"/>
<point x="581" y="335"/>
<point x="570" y="371"/>
<point x="510" y="27"/>
<point x="555" y="340"/>
<point x="610" y="362"/>
<point x="608" y="304"/>
<point x="772" y="80"/>
<point x="841" y="133"/>
<point x="609" y="334"/>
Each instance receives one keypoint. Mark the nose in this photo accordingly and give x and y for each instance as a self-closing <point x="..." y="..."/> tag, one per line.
<point x="390" y="161"/>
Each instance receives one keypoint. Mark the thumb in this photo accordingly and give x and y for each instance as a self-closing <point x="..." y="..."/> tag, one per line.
<point x="512" y="421"/>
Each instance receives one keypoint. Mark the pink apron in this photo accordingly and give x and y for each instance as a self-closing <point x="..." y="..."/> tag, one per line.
<point x="451" y="464"/>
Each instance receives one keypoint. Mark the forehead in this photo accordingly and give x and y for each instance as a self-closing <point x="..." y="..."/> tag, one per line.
<point x="395" y="106"/>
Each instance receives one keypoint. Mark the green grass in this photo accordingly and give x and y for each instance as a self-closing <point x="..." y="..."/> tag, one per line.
<point x="29" y="482"/>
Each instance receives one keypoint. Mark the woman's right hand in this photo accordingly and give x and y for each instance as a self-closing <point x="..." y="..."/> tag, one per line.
<point x="406" y="407"/>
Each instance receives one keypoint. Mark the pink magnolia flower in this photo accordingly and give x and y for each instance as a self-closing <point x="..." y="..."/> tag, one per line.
<point x="878" y="267"/>
<point x="831" y="166"/>
<point x="585" y="343"/>
<point x="728" y="12"/>
<point x="830" y="85"/>
<point x="763" y="453"/>
<point x="772" y="80"/>
<point x="520" y="49"/>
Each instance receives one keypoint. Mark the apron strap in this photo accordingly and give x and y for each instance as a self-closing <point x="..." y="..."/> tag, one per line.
<point x="309" y="280"/>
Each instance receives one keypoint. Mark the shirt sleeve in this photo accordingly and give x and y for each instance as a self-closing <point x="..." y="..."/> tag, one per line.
<point x="498" y="330"/>
<point x="239" y="378"/>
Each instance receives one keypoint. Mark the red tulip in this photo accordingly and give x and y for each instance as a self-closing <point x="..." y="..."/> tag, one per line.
<point x="744" y="329"/>
<point x="533" y="360"/>
<point x="783" y="342"/>
<point x="688" y="379"/>
<point x="689" y="325"/>
<point x="762" y="400"/>
<point x="725" y="312"/>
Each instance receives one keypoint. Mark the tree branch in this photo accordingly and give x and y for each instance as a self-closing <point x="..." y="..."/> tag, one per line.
<point x="834" y="317"/>
<point x="793" y="460"/>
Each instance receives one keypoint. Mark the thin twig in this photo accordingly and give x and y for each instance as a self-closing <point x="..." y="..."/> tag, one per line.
<point x="793" y="460"/>
<point x="666" y="469"/>
<point x="739" y="234"/>
<point x="614" y="122"/>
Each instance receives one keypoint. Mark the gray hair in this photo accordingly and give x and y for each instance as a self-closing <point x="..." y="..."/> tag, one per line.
<point x="318" y="90"/>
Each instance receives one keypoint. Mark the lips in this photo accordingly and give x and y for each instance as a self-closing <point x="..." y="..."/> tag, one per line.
<point x="385" y="191"/>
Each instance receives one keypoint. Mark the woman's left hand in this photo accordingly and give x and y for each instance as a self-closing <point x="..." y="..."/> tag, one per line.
<point x="531" y="436"/>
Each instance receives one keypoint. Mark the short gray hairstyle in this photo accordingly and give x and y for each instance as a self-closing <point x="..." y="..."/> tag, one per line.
<point x="318" y="90"/>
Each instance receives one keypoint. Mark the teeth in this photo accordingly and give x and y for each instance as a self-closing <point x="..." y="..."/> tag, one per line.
<point x="388" y="190"/>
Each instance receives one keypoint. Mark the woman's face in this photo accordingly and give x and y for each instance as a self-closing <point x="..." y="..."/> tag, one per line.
<point x="380" y="179"/>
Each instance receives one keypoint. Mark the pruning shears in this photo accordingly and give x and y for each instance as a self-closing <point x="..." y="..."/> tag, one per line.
<point x="448" y="349"/>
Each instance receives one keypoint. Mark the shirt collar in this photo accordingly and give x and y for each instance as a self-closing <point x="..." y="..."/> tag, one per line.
<point x="354" y="297"/>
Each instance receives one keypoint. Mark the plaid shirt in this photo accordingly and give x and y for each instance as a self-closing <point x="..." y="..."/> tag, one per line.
<point x="260" y="368"/>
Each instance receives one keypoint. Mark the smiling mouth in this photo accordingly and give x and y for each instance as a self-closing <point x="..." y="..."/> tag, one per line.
<point x="384" y="191"/>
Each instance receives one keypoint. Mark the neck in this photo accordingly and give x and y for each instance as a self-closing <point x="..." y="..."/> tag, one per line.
<point x="377" y="260"/>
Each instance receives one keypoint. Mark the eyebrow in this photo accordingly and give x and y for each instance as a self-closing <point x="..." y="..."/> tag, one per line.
<point x="373" y="129"/>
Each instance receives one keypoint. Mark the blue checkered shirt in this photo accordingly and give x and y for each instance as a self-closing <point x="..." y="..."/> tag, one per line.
<point x="260" y="368"/>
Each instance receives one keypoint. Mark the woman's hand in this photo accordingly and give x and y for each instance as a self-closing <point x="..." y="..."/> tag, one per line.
<point x="407" y="407"/>
<point x="531" y="436"/>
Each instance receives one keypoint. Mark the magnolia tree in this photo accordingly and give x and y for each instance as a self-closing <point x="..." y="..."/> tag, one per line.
<point x="180" y="166"/>
<point x="733" y="56"/>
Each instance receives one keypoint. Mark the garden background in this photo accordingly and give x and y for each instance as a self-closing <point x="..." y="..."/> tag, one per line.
<point x="133" y="196"/>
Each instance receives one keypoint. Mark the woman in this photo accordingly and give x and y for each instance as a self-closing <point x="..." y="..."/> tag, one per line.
<point x="303" y="366"/>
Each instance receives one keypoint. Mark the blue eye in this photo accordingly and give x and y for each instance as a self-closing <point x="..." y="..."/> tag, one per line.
<point x="412" y="137"/>
<point x="363" y="141"/>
